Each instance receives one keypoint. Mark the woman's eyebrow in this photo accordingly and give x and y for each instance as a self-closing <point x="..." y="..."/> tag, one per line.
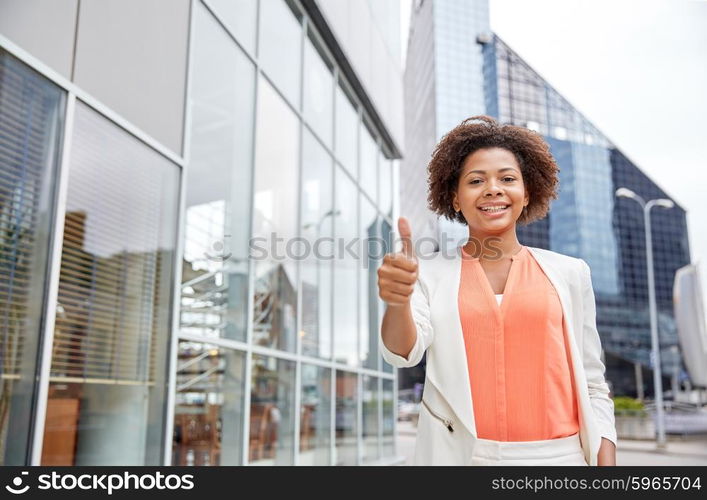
<point x="484" y="171"/>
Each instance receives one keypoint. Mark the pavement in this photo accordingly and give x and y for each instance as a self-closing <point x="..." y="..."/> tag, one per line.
<point x="681" y="450"/>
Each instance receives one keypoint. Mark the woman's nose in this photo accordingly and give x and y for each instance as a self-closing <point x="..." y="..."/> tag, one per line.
<point x="492" y="188"/>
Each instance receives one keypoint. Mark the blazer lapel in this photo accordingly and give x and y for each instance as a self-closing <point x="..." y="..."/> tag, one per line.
<point x="448" y="372"/>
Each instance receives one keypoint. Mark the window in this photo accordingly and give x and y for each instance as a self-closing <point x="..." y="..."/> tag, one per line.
<point x="108" y="373"/>
<point x="208" y="415"/>
<point x="371" y="255"/>
<point x="346" y="418"/>
<point x="347" y="126"/>
<point x="346" y="268"/>
<point x="280" y="48"/>
<point x="272" y="405"/>
<point x="218" y="206"/>
<point x="275" y="221"/>
<point x="315" y="416"/>
<point x="31" y="115"/>
<point x="370" y="419"/>
<point x="318" y="93"/>
<point x="239" y="16"/>
<point x="317" y="230"/>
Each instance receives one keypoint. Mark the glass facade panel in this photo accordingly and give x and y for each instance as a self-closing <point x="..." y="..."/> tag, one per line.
<point x="108" y="379"/>
<point x="209" y="402"/>
<point x="215" y="271"/>
<point x="385" y="185"/>
<point x="369" y="164"/>
<point x="317" y="231"/>
<point x="368" y="287"/>
<point x="388" y="402"/>
<point x="272" y="417"/>
<point x="315" y="416"/>
<point x="240" y="17"/>
<point x="346" y="418"/>
<point x="346" y="269"/>
<point x="371" y="405"/>
<point x="31" y="116"/>
<point x="275" y="221"/>
<point x="279" y="48"/>
<point x="386" y="235"/>
<point x="318" y="93"/>
<point x="347" y="126"/>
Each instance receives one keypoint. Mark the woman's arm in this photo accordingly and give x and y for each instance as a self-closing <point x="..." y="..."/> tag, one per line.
<point x="599" y="398"/>
<point x="607" y="453"/>
<point x="406" y="330"/>
<point x="412" y="323"/>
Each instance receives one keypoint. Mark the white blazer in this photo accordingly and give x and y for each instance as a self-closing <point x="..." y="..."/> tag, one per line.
<point x="446" y="432"/>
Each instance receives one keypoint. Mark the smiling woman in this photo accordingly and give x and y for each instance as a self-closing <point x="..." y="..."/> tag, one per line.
<point x="517" y="381"/>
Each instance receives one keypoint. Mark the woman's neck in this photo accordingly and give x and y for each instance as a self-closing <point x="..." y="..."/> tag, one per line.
<point x="492" y="247"/>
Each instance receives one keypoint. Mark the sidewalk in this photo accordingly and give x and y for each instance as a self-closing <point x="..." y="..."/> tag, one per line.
<point x="687" y="450"/>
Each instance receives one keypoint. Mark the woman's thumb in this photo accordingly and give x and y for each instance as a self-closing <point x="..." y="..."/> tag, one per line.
<point x="406" y="237"/>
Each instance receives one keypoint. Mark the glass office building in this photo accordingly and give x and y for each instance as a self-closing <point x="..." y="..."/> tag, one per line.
<point x="191" y="219"/>
<point x="586" y="220"/>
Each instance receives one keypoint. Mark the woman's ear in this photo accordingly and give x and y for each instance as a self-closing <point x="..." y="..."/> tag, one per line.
<point x="455" y="204"/>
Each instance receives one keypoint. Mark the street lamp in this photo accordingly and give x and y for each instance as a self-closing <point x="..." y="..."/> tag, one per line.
<point x="655" y="344"/>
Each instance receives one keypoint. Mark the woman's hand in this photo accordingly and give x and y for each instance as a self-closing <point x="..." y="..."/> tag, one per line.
<point x="607" y="453"/>
<point x="398" y="273"/>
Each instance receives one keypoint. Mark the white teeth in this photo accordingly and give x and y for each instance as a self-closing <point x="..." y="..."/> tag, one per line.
<point x="493" y="209"/>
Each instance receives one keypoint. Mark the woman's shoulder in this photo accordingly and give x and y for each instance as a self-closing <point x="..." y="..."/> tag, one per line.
<point x="435" y="265"/>
<point x="560" y="260"/>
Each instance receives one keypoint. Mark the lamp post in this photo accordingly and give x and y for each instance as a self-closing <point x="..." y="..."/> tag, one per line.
<point x="655" y="343"/>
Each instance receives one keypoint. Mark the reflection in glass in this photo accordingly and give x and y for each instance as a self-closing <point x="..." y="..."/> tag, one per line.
<point x="347" y="126"/>
<point x="369" y="164"/>
<point x="346" y="268"/>
<point x="280" y="47"/>
<point x="370" y="419"/>
<point x="31" y="113"/>
<point x="316" y="268"/>
<point x="388" y="402"/>
<point x="272" y="405"/>
<point x="208" y="413"/>
<point x="108" y="373"/>
<point x="215" y="271"/>
<point x="315" y="416"/>
<point x="240" y="17"/>
<point x="346" y="398"/>
<point x="371" y="258"/>
<point x="275" y="222"/>
<point x="318" y="93"/>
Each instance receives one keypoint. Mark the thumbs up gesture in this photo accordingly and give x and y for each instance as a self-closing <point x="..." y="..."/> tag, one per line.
<point x="398" y="273"/>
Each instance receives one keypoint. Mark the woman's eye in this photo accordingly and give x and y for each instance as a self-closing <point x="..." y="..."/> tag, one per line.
<point x="511" y="178"/>
<point x="474" y="181"/>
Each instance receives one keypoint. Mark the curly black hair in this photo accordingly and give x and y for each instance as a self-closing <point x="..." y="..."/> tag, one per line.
<point x="538" y="167"/>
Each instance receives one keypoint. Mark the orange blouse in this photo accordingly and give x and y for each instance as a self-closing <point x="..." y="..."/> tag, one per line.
<point x="518" y="358"/>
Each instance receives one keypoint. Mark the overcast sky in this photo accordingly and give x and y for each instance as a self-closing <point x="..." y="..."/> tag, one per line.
<point x="637" y="69"/>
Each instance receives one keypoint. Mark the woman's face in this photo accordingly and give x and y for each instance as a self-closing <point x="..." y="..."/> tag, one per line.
<point x="490" y="176"/>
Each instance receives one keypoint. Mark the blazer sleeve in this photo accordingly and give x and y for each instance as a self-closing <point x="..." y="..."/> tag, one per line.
<point x="420" y="307"/>
<point x="601" y="403"/>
